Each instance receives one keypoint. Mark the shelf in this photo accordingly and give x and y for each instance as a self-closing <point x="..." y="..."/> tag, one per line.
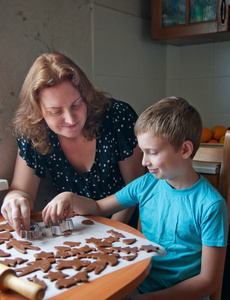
<point x="3" y="184"/>
<point x="206" y="167"/>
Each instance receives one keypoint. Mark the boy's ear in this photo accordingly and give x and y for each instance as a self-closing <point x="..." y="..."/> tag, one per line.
<point x="187" y="149"/>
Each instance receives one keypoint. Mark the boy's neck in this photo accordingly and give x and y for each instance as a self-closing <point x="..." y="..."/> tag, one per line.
<point x="185" y="180"/>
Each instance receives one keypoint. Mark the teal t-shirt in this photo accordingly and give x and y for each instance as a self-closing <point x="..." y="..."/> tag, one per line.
<point x="179" y="220"/>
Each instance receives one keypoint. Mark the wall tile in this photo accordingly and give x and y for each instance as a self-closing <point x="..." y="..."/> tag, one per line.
<point x="109" y="84"/>
<point x="27" y="29"/>
<point x="222" y="59"/>
<point x="173" y="62"/>
<point x="221" y="119"/>
<point x="196" y="61"/>
<point x="107" y="55"/>
<point x="173" y="87"/>
<point x="221" y="95"/>
<point x="128" y="54"/>
<point x="198" y="92"/>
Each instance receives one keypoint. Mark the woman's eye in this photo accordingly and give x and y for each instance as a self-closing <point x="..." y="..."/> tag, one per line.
<point x="55" y="113"/>
<point x="76" y="105"/>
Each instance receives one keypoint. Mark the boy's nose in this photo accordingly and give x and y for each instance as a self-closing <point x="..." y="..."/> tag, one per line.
<point x="144" y="161"/>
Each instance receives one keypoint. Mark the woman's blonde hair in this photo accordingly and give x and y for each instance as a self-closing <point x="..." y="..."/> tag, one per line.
<point x="173" y="119"/>
<point x="50" y="70"/>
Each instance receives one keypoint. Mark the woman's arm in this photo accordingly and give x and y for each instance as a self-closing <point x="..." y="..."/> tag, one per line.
<point x="131" y="168"/>
<point x="197" y="287"/>
<point x="19" y="201"/>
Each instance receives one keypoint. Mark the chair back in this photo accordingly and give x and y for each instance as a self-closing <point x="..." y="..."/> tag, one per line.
<point x="217" y="153"/>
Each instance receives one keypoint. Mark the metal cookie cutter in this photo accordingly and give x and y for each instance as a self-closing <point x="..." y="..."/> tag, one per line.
<point x="66" y="225"/>
<point x="50" y="229"/>
<point x="31" y="234"/>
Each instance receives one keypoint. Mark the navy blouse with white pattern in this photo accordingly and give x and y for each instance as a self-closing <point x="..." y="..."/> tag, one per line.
<point x="116" y="142"/>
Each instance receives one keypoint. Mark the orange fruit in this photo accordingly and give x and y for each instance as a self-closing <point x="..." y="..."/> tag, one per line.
<point x="221" y="141"/>
<point x="218" y="132"/>
<point x="212" y="141"/>
<point x="206" y="135"/>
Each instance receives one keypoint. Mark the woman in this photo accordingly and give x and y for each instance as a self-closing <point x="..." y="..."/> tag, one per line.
<point x="84" y="138"/>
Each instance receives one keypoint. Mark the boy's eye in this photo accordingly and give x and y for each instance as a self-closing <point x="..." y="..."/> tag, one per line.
<point x="152" y="153"/>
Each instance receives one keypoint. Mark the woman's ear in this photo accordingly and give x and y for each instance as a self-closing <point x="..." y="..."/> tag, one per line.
<point x="187" y="149"/>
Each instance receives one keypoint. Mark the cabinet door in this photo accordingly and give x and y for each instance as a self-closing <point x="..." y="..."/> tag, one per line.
<point x="184" y="18"/>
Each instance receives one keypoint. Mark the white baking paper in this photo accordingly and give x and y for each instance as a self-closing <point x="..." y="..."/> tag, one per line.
<point x="79" y="234"/>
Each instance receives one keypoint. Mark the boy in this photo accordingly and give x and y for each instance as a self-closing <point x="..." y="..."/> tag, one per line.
<point x="179" y="209"/>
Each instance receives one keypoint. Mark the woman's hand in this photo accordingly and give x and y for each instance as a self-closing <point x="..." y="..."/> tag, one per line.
<point x="19" y="202"/>
<point x="60" y="208"/>
<point x="16" y="210"/>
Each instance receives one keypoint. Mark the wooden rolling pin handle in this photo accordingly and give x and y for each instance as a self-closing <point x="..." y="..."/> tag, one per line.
<point x="9" y="280"/>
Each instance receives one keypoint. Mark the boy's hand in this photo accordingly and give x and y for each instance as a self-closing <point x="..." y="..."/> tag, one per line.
<point x="60" y="208"/>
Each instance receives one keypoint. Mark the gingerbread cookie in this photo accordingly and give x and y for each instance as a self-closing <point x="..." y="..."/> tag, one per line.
<point x="4" y="254"/>
<point x="87" y="222"/>
<point x="97" y="266"/>
<point x="43" y="255"/>
<point x="5" y="236"/>
<point x="111" y="259"/>
<point x="126" y="250"/>
<point x="62" y="252"/>
<point x="67" y="232"/>
<point x="76" y="264"/>
<point x="115" y="233"/>
<point x="65" y="283"/>
<point x="6" y="227"/>
<point x="20" y="246"/>
<point x="129" y="257"/>
<point x="72" y="244"/>
<point x="71" y="281"/>
<point x="13" y="262"/>
<point x="81" y="251"/>
<point x="38" y="281"/>
<point x="112" y="239"/>
<point x="44" y="265"/>
<point x="105" y="250"/>
<point x="52" y="276"/>
<point x="129" y="241"/>
<point x="149" y="248"/>
<point x="81" y="277"/>
<point x="99" y="242"/>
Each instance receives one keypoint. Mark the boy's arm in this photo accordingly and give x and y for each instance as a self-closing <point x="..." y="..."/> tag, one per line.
<point x="202" y="285"/>
<point x="63" y="205"/>
<point x="104" y="207"/>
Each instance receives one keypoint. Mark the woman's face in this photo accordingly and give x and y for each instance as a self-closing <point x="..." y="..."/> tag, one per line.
<point x="63" y="109"/>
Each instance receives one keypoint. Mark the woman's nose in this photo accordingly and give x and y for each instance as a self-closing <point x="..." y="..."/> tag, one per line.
<point x="69" y="117"/>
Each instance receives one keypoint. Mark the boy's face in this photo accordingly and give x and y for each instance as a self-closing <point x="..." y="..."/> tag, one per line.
<point x="160" y="157"/>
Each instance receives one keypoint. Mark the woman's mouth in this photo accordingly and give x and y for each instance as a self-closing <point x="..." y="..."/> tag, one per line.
<point x="71" y="126"/>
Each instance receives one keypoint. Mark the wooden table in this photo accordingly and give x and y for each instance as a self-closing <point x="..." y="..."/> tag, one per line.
<point x="113" y="286"/>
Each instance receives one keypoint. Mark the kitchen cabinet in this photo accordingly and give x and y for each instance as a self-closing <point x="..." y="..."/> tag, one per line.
<point x="182" y="22"/>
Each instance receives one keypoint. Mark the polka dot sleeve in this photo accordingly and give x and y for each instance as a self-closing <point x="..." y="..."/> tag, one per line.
<point x="32" y="158"/>
<point x="123" y="118"/>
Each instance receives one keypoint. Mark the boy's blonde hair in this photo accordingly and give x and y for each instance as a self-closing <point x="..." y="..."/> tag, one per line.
<point x="174" y="119"/>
